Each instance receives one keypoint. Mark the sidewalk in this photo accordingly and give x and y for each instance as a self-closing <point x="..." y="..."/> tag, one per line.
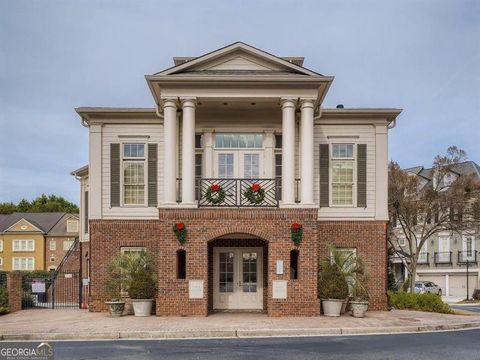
<point x="81" y="324"/>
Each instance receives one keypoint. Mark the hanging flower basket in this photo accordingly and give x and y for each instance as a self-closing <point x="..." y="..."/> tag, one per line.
<point x="215" y="194"/>
<point x="180" y="231"/>
<point x="255" y="194"/>
<point x="296" y="231"/>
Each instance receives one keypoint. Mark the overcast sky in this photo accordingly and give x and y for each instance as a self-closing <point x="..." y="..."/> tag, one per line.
<point x="422" y="56"/>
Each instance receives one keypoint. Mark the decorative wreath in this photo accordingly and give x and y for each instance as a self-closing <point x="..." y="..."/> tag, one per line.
<point x="255" y="194"/>
<point x="215" y="194"/>
<point x="296" y="231"/>
<point x="181" y="231"/>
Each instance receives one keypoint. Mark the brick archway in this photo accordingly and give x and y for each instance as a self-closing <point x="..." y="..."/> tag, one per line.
<point x="229" y="239"/>
<point x="236" y="230"/>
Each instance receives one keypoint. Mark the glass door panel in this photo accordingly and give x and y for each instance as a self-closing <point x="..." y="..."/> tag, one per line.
<point x="251" y="166"/>
<point x="249" y="266"/>
<point x="226" y="272"/>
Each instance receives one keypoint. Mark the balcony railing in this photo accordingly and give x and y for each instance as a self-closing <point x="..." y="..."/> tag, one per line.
<point x="443" y="257"/>
<point x="464" y="256"/>
<point x="235" y="190"/>
<point x="423" y="258"/>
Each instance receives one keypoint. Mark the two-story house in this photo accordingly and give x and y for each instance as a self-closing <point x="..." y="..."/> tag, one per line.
<point x="237" y="148"/>
<point x="443" y="258"/>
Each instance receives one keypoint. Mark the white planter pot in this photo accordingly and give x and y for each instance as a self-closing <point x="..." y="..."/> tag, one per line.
<point x="142" y="307"/>
<point x="332" y="307"/>
<point x="359" y="308"/>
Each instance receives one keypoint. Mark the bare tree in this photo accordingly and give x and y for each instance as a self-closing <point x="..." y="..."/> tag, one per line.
<point x="424" y="207"/>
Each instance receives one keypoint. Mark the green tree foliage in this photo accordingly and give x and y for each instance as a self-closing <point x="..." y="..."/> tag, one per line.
<point x="43" y="203"/>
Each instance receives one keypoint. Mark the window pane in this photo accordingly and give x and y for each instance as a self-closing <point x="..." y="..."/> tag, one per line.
<point x="225" y="166"/>
<point x="133" y="150"/>
<point x="342" y="150"/>
<point x="251" y="166"/>
<point x="342" y="194"/>
<point x="342" y="171"/>
<point x="241" y="141"/>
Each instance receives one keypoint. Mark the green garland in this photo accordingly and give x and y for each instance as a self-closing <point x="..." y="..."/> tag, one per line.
<point x="180" y="231"/>
<point x="219" y="194"/>
<point x="296" y="233"/>
<point x="255" y="197"/>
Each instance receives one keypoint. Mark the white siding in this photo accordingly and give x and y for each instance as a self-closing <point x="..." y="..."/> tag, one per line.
<point x="112" y="134"/>
<point x="366" y="135"/>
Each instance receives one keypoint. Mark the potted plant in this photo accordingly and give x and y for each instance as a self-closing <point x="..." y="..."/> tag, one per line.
<point x="348" y="265"/>
<point x="116" y="282"/>
<point x="332" y="289"/>
<point x="360" y="297"/>
<point x="142" y="283"/>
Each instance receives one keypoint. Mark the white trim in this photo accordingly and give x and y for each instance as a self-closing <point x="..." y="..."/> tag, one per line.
<point x="23" y="219"/>
<point x="446" y="271"/>
<point x="27" y="249"/>
<point x="20" y="260"/>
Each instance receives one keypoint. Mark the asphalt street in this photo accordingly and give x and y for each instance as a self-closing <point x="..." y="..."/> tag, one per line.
<point x="473" y="308"/>
<point x="436" y="345"/>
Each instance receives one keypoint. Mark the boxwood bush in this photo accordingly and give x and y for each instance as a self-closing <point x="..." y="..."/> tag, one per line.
<point x="422" y="302"/>
<point x="3" y="301"/>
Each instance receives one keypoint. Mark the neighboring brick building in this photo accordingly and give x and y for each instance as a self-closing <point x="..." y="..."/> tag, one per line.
<point x="249" y="120"/>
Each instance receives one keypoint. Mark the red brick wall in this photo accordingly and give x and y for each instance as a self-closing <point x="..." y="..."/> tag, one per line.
<point x="370" y="240"/>
<point x="14" y="289"/>
<point x="204" y="225"/>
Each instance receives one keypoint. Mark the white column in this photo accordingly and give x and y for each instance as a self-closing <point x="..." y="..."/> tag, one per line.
<point x="288" y="151"/>
<point x="306" y="132"/>
<point x="169" y="153"/>
<point x="188" y="152"/>
<point x="95" y="172"/>
<point x="207" y="163"/>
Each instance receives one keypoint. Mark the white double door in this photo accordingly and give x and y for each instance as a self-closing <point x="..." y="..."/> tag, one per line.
<point x="237" y="278"/>
<point x="241" y="164"/>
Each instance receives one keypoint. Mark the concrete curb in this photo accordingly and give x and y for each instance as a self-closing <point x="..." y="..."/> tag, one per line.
<point x="237" y="333"/>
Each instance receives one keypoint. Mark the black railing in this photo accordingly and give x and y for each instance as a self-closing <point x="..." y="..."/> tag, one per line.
<point x="232" y="193"/>
<point x="3" y="279"/>
<point x="423" y="258"/>
<point x="464" y="256"/>
<point x="444" y="257"/>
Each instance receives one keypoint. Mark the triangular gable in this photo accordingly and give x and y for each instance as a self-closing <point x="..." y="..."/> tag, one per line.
<point x="238" y="56"/>
<point x="23" y="225"/>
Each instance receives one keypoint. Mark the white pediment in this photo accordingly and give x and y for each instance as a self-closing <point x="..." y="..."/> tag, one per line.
<point x="241" y="62"/>
<point x="237" y="56"/>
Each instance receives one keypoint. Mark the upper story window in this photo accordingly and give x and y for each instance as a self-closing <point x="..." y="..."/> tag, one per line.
<point x="72" y="226"/>
<point x="1" y="245"/>
<point x="23" y="245"/>
<point x="134" y="174"/>
<point x="239" y="141"/>
<point x="343" y="164"/>
<point x="67" y="244"/>
<point x="53" y="245"/>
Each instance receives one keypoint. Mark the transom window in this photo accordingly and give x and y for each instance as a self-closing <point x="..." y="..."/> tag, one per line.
<point x="239" y="141"/>
<point x="23" y="245"/>
<point x="134" y="174"/>
<point x="23" y="263"/>
<point x="342" y="174"/>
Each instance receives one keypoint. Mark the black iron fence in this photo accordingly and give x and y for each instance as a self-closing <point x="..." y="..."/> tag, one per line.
<point x="238" y="193"/>
<point x="235" y="189"/>
<point x="443" y="257"/>
<point x="464" y="256"/>
<point x="423" y="258"/>
<point x="3" y="279"/>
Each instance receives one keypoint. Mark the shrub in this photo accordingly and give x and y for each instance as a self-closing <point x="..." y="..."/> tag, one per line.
<point x="476" y="294"/>
<point x="142" y="286"/>
<point x="27" y="300"/>
<point x="4" y="307"/>
<point x="332" y="283"/>
<point x="422" y="302"/>
<point x="406" y="285"/>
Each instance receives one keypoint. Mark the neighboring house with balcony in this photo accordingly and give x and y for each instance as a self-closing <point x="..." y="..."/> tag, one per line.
<point x="444" y="257"/>
<point x="36" y="241"/>
<point x="237" y="147"/>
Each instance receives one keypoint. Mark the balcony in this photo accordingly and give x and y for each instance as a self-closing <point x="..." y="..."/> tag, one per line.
<point x="443" y="258"/>
<point x="423" y="258"/>
<point x="467" y="256"/>
<point x="216" y="192"/>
